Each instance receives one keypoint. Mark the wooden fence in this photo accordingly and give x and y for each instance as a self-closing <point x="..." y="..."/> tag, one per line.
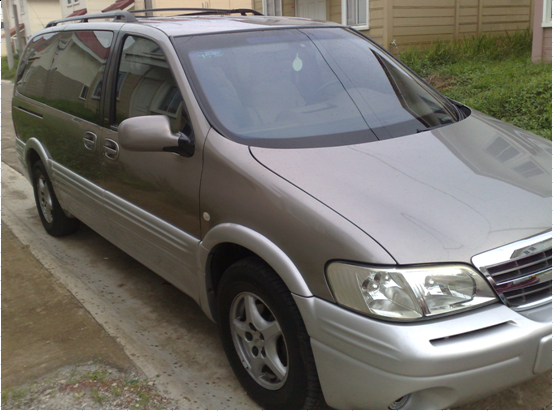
<point x="411" y="22"/>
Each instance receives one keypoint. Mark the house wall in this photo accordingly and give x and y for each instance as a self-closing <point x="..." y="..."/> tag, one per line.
<point x="215" y="4"/>
<point x="67" y="10"/>
<point x="288" y="8"/>
<point x="96" y="6"/>
<point x="257" y="5"/>
<point x="377" y="10"/>
<point x="38" y="13"/>
<point x="4" y="49"/>
<point x="158" y="4"/>
<point x="541" y="44"/>
<point x="546" y="50"/>
<point x="411" y="22"/>
<point x="334" y="11"/>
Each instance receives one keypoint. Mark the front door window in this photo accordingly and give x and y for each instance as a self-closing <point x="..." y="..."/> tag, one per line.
<point x="146" y="86"/>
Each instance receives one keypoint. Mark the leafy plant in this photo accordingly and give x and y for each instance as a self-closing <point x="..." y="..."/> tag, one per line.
<point x="490" y="74"/>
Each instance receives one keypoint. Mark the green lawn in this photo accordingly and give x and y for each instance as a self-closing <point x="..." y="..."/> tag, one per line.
<point x="8" y="74"/>
<point x="490" y="74"/>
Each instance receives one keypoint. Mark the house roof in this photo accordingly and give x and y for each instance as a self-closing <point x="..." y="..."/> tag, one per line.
<point x="12" y="30"/>
<point x="79" y="12"/>
<point x="119" y="5"/>
<point x="90" y="40"/>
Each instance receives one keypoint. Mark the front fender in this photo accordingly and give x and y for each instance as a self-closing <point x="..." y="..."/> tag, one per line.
<point x="258" y="244"/>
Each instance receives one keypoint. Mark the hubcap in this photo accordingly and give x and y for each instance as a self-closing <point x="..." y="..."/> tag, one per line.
<point x="45" y="199"/>
<point x="259" y="341"/>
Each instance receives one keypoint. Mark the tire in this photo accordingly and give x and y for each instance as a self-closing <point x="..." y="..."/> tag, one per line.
<point x="54" y="220"/>
<point x="265" y="338"/>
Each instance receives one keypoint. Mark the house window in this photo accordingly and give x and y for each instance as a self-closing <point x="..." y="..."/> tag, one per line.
<point x="355" y="13"/>
<point x="22" y="6"/>
<point x="501" y="150"/>
<point x="72" y="2"/>
<point x="272" y="7"/>
<point x="84" y="92"/>
<point x="546" y="13"/>
<point x="529" y="169"/>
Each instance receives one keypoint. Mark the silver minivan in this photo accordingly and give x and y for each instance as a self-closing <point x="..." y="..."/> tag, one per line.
<point x="358" y="238"/>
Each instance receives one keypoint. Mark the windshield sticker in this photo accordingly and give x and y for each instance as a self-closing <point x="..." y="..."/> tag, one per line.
<point x="297" y="64"/>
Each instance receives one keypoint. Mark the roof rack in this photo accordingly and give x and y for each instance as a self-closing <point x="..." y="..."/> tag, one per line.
<point x="202" y="11"/>
<point x="119" y="15"/>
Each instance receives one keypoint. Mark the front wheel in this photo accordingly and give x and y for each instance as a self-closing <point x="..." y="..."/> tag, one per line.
<point x="54" y="220"/>
<point x="265" y="338"/>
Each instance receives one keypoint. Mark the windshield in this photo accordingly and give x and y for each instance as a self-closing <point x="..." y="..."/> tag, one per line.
<point x="307" y="87"/>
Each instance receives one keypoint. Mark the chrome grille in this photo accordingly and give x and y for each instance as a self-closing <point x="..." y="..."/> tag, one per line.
<point x="521" y="267"/>
<point x="520" y="272"/>
<point x="529" y="294"/>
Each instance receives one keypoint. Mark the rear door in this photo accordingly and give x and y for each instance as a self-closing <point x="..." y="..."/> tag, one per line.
<point x="152" y="198"/>
<point x="71" y="93"/>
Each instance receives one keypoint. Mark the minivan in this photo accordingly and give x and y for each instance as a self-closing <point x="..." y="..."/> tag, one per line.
<point x="359" y="238"/>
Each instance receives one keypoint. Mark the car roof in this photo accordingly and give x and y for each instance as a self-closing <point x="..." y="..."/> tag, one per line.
<point x="190" y="25"/>
<point x="174" y="26"/>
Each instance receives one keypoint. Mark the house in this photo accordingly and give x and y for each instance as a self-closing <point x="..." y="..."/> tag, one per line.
<point x="398" y="23"/>
<point x="34" y="15"/>
<point x="13" y="36"/>
<point x="541" y="45"/>
<point x="391" y="23"/>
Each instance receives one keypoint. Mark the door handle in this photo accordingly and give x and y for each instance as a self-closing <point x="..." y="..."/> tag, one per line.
<point x="90" y="140"/>
<point x="111" y="149"/>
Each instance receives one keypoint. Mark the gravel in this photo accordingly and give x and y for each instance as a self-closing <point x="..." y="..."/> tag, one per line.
<point x="87" y="386"/>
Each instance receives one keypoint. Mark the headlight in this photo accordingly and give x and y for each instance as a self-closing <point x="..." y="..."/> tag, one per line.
<point x="404" y="294"/>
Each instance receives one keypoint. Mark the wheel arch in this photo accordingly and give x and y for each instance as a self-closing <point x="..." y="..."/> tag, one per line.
<point x="228" y="243"/>
<point x="34" y="151"/>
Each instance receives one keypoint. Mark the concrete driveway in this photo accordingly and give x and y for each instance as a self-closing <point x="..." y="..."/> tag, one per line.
<point x="160" y="328"/>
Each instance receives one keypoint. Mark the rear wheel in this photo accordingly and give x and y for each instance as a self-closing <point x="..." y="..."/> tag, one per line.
<point x="265" y="338"/>
<point x="54" y="220"/>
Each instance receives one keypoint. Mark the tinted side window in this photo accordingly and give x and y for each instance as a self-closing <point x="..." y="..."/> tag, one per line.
<point x="146" y="86"/>
<point x="35" y="64"/>
<point x="75" y="81"/>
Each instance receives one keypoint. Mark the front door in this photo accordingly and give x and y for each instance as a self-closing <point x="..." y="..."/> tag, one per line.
<point x="312" y="9"/>
<point x="152" y="198"/>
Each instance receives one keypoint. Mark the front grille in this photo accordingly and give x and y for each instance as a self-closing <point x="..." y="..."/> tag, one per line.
<point x="520" y="272"/>
<point x="529" y="294"/>
<point x="520" y="268"/>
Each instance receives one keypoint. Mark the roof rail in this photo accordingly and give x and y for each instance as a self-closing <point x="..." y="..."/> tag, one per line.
<point x="119" y="15"/>
<point x="202" y="11"/>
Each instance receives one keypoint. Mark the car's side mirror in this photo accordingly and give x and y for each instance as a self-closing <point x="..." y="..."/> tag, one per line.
<point x="153" y="133"/>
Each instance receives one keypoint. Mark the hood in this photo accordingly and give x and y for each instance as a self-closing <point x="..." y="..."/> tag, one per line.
<point x="440" y="195"/>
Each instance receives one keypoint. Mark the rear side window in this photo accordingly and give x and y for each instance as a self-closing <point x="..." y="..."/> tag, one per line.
<point x="35" y="65"/>
<point x="146" y="86"/>
<point x="76" y="78"/>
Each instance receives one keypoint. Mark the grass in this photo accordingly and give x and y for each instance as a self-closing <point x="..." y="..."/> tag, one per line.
<point x="13" y="395"/>
<point x="8" y="74"/>
<point x="98" y="375"/>
<point x="490" y="74"/>
<point x="97" y="397"/>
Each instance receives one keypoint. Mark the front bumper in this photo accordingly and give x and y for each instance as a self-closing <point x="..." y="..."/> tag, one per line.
<point x="368" y="364"/>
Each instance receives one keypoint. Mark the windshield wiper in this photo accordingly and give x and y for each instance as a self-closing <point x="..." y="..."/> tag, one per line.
<point x="434" y="127"/>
